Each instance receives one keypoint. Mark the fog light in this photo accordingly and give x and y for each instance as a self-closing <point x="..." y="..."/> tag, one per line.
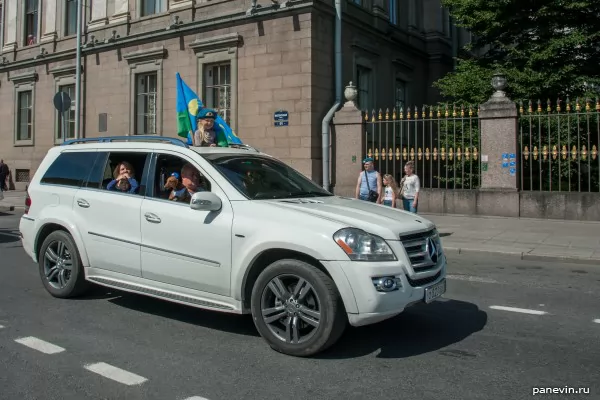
<point x="386" y="283"/>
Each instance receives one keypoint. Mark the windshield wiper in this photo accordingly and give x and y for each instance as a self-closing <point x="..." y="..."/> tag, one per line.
<point x="308" y="194"/>
<point x="288" y="195"/>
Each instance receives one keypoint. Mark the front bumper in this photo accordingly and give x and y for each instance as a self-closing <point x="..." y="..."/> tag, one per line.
<point x="374" y="306"/>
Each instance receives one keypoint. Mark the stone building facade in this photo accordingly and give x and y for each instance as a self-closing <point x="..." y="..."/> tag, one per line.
<point x="246" y="64"/>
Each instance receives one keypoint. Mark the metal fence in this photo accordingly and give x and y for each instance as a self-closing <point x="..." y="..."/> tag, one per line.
<point x="558" y="146"/>
<point x="442" y="141"/>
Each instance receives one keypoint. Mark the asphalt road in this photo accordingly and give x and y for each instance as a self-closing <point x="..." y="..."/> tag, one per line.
<point x="462" y="348"/>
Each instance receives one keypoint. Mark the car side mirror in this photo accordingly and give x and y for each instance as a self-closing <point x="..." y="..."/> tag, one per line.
<point x="205" y="201"/>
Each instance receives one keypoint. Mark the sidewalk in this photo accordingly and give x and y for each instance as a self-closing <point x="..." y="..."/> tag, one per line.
<point x="13" y="200"/>
<point x="525" y="239"/>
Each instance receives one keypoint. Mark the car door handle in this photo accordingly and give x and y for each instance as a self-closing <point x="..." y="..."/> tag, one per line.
<point x="152" y="218"/>
<point x="83" y="203"/>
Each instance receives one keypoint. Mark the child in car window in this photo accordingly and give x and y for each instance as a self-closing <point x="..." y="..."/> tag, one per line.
<point x="124" y="179"/>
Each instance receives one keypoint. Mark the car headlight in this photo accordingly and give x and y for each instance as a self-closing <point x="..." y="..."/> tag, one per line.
<point x="362" y="246"/>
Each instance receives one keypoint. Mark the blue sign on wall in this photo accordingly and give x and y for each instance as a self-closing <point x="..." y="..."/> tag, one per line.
<point x="280" y="115"/>
<point x="281" y="118"/>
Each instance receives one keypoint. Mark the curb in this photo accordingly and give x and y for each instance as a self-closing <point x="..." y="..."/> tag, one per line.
<point x="524" y="256"/>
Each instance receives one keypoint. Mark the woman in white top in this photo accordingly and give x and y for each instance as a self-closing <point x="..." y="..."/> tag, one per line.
<point x="410" y="186"/>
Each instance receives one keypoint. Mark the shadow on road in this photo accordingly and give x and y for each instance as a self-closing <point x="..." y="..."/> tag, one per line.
<point x="444" y="234"/>
<point x="238" y="324"/>
<point x="418" y="330"/>
<point x="8" y="235"/>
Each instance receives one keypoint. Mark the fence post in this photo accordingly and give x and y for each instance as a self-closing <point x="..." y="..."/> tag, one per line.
<point x="499" y="155"/>
<point x="348" y="139"/>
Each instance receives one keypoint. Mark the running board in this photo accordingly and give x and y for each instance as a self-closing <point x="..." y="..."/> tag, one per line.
<point x="161" y="294"/>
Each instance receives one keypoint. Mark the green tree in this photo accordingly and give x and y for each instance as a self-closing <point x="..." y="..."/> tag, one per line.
<point x="546" y="49"/>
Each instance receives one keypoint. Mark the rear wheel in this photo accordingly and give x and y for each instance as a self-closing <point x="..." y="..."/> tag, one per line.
<point x="297" y="308"/>
<point x="60" y="266"/>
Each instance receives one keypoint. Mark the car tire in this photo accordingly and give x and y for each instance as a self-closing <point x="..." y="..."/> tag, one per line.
<point x="332" y="320"/>
<point x="76" y="284"/>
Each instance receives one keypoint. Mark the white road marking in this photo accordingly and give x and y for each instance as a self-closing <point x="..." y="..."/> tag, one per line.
<point x="597" y="321"/>
<point x="470" y="278"/>
<point x="116" y="374"/>
<point x="1" y="326"/>
<point x="40" y="345"/>
<point x="196" y="398"/>
<point x="519" y="310"/>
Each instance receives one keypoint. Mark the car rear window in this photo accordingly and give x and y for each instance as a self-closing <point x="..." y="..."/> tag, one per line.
<point x="70" y="169"/>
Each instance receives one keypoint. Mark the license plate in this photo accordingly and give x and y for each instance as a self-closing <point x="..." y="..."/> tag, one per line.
<point x="435" y="291"/>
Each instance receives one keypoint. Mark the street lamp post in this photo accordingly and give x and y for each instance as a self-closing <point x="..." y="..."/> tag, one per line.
<point x="78" y="71"/>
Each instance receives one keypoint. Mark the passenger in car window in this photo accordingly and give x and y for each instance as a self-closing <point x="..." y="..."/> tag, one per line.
<point x="124" y="179"/>
<point x="191" y="180"/>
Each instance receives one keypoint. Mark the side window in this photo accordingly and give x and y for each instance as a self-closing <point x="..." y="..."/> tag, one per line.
<point x="70" y="169"/>
<point x="96" y="175"/>
<point x="175" y="179"/>
<point x="122" y="172"/>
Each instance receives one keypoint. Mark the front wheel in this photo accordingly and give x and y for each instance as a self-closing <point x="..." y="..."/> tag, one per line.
<point x="297" y="308"/>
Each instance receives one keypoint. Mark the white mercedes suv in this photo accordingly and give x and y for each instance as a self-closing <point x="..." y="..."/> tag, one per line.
<point x="225" y="229"/>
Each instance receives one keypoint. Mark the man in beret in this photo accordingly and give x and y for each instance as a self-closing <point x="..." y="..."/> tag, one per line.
<point x="369" y="184"/>
<point x="207" y="134"/>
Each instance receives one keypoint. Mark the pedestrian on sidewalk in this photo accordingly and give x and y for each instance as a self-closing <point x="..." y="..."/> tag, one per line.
<point x="4" y="171"/>
<point x="410" y="186"/>
<point x="369" y="185"/>
<point x="390" y="192"/>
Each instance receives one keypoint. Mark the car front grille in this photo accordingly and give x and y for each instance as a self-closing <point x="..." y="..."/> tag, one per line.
<point x="416" y="246"/>
<point x="423" y="281"/>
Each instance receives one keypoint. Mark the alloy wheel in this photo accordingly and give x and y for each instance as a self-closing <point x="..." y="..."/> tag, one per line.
<point x="58" y="264"/>
<point x="291" y="308"/>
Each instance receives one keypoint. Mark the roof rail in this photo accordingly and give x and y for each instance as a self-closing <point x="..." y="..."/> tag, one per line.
<point x="243" y="146"/>
<point x="141" y="138"/>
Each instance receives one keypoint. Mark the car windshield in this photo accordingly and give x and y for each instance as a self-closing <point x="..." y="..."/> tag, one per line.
<point x="259" y="177"/>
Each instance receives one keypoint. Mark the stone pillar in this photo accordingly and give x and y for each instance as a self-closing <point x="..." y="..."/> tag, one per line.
<point x="499" y="139"/>
<point x="10" y="29"/>
<point x="49" y="12"/>
<point x="498" y="117"/>
<point x="121" y="12"/>
<point x="349" y="143"/>
<point x="99" y="12"/>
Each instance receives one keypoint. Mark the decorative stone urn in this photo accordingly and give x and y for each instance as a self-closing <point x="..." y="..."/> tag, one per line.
<point x="350" y="93"/>
<point x="499" y="84"/>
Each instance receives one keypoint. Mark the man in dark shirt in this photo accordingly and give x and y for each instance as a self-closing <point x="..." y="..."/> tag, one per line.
<point x="4" y="171"/>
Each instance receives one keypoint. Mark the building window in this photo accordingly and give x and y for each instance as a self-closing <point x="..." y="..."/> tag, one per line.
<point x="217" y="89"/>
<point x="393" y="4"/>
<point x="145" y="107"/>
<point x="22" y="175"/>
<point x="68" y="117"/>
<point x="31" y="22"/>
<point x="24" y="115"/>
<point x="150" y="7"/>
<point x="364" y="84"/>
<point x="400" y="95"/>
<point x="71" y="18"/>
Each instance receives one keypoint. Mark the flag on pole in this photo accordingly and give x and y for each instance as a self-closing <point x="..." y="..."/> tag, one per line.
<point x="188" y="106"/>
